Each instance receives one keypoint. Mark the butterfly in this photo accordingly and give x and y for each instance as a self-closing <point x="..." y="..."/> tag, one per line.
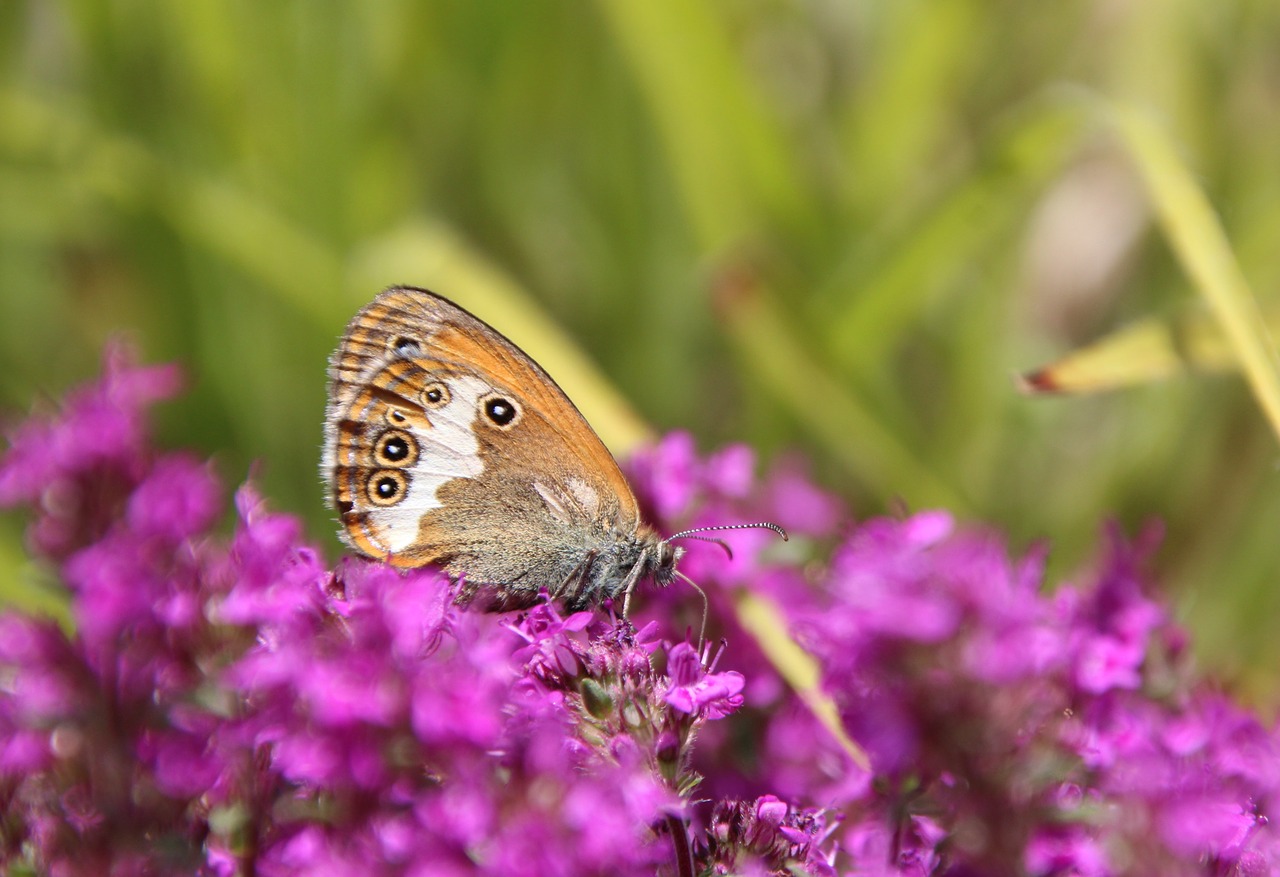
<point x="447" y="445"/>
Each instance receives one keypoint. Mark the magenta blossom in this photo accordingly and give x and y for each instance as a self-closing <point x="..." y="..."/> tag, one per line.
<point x="228" y="706"/>
<point x="694" y="691"/>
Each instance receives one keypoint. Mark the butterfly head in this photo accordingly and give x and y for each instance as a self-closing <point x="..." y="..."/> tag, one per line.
<point x="659" y="558"/>
<point x="662" y="558"/>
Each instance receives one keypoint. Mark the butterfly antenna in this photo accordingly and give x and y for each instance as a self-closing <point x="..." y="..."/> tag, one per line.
<point x="706" y="607"/>
<point x="760" y="525"/>
<point x="723" y="544"/>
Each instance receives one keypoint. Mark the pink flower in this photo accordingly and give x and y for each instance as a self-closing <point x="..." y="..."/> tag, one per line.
<point x="226" y="705"/>
<point x="694" y="691"/>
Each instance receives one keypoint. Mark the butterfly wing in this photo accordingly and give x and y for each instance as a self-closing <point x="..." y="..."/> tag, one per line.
<point x="446" y="444"/>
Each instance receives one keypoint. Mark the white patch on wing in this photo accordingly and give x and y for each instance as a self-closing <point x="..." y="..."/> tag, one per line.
<point x="555" y="499"/>
<point x="447" y="451"/>
<point x="586" y="496"/>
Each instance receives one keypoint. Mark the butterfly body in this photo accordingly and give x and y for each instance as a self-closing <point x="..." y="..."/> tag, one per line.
<point x="446" y="444"/>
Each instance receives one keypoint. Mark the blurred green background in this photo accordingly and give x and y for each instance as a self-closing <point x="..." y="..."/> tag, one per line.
<point x="838" y="228"/>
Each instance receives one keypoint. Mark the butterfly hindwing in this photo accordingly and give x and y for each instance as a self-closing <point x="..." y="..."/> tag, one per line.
<point x="447" y="444"/>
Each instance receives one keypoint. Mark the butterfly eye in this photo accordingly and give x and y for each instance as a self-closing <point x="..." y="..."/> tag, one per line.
<point x="387" y="487"/>
<point x="396" y="448"/>
<point x="435" y="395"/>
<point x="502" y="412"/>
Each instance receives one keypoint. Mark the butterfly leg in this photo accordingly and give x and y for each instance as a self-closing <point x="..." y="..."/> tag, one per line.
<point x="573" y="586"/>
<point x="629" y="585"/>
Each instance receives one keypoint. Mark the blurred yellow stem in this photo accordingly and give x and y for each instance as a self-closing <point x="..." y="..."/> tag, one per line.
<point x="760" y="617"/>
<point x="1201" y="246"/>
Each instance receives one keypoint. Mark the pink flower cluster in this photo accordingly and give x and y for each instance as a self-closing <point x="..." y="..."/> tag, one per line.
<point x="236" y="707"/>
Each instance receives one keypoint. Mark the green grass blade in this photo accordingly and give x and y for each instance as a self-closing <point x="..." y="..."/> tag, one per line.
<point x="870" y="301"/>
<point x="728" y="156"/>
<point x="834" y="416"/>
